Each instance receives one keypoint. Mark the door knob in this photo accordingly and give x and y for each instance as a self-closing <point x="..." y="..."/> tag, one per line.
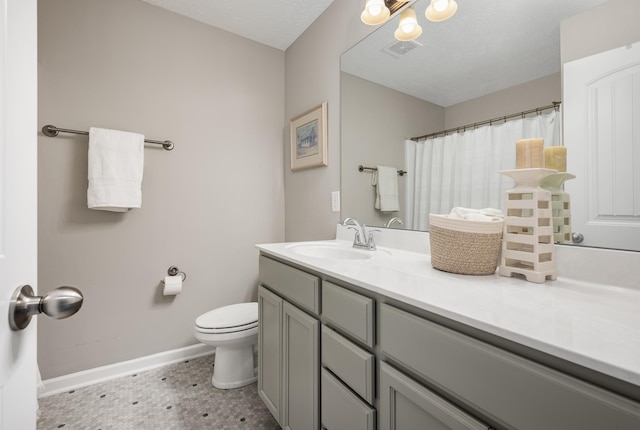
<point x="59" y="303"/>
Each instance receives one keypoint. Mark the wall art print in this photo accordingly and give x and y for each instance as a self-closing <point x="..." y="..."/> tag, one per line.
<point x="309" y="138"/>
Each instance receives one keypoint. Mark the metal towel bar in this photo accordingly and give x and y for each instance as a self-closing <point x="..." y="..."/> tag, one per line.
<point x="362" y="168"/>
<point x="52" y="131"/>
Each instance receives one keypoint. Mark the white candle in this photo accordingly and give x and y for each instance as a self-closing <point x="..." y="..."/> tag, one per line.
<point x="529" y="153"/>
<point x="555" y="157"/>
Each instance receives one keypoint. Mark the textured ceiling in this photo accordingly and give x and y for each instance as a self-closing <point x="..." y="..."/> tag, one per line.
<point x="276" y="23"/>
<point x="486" y="46"/>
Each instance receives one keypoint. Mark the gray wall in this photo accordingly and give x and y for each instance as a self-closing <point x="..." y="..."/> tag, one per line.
<point x="608" y="26"/>
<point x="530" y="95"/>
<point x="375" y="122"/>
<point x="127" y="65"/>
<point x="312" y="70"/>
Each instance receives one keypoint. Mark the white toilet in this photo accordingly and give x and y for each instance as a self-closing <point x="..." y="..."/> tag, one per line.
<point x="233" y="330"/>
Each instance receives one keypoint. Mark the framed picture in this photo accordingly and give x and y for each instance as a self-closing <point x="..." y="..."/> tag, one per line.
<point x="309" y="138"/>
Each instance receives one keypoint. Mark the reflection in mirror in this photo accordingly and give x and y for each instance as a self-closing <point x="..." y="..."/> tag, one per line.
<point x="461" y="169"/>
<point x="604" y="89"/>
<point x="491" y="59"/>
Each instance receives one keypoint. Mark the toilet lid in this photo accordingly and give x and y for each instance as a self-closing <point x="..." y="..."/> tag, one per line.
<point x="239" y="316"/>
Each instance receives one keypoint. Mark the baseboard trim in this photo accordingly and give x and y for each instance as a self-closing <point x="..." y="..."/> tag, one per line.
<point x="97" y="375"/>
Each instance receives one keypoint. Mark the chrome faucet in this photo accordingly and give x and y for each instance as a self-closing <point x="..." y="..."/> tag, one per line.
<point x="395" y="219"/>
<point x="361" y="239"/>
<point x="370" y="243"/>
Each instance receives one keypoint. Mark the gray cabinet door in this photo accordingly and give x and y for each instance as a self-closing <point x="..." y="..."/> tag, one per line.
<point x="407" y="405"/>
<point x="270" y="351"/>
<point x="301" y="367"/>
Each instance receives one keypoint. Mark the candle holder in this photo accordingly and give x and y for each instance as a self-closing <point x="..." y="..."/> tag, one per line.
<point x="527" y="239"/>
<point x="560" y="205"/>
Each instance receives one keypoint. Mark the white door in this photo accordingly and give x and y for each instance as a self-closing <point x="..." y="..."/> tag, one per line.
<point x="18" y="205"/>
<point x="602" y="136"/>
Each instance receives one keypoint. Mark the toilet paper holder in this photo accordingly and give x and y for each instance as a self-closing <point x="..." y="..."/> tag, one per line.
<point x="173" y="271"/>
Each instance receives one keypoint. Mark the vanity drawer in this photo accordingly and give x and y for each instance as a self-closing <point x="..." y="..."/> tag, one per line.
<point x="349" y="312"/>
<point x="341" y="409"/>
<point x="349" y="362"/>
<point x="516" y="392"/>
<point x="295" y="285"/>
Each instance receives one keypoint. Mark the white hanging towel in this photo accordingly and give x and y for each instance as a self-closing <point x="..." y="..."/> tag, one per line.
<point x="386" y="181"/>
<point x="116" y="163"/>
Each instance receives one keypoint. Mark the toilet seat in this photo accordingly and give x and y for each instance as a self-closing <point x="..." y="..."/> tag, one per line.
<point x="227" y="330"/>
<point x="229" y="319"/>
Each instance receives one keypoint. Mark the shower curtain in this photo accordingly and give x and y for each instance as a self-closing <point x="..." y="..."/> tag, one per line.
<point x="461" y="169"/>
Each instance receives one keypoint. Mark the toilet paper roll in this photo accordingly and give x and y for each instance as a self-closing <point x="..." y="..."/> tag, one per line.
<point x="172" y="285"/>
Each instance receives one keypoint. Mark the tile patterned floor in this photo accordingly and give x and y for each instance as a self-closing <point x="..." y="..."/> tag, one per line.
<point x="176" y="397"/>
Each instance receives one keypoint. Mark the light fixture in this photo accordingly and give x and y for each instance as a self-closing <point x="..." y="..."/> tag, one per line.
<point x="375" y="12"/>
<point x="440" y="10"/>
<point x="378" y="11"/>
<point x="408" y="28"/>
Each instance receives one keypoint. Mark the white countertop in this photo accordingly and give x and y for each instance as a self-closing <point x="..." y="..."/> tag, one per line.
<point x="596" y="326"/>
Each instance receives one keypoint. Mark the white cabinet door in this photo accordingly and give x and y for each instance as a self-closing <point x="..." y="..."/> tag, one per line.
<point x="18" y="217"/>
<point x="601" y="106"/>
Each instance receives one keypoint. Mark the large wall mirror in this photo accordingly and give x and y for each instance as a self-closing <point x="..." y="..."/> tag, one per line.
<point x="492" y="59"/>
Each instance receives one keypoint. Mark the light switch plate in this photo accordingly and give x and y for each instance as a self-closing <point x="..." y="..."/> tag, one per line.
<point x="335" y="201"/>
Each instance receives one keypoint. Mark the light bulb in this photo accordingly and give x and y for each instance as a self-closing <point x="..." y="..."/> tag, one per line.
<point x="440" y="10"/>
<point x="408" y="28"/>
<point x="440" y="5"/>
<point x="375" y="12"/>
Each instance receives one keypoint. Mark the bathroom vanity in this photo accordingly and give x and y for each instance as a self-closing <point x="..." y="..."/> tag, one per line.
<point x="353" y="339"/>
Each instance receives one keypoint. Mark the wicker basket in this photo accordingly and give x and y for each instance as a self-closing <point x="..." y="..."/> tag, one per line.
<point x="463" y="246"/>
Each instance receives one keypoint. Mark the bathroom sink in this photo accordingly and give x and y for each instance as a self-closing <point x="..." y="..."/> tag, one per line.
<point x="331" y="251"/>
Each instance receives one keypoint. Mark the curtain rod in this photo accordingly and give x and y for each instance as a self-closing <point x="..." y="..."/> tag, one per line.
<point x="52" y="131"/>
<point x="555" y="105"/>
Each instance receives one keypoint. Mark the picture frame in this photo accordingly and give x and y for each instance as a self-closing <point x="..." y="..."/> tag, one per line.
<point x="308" y="134"/>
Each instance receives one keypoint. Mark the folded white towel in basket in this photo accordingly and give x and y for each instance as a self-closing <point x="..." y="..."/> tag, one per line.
<point x="487" y="214"/>
<point x="116" y="164"/>
<point x="386" y="181"/>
